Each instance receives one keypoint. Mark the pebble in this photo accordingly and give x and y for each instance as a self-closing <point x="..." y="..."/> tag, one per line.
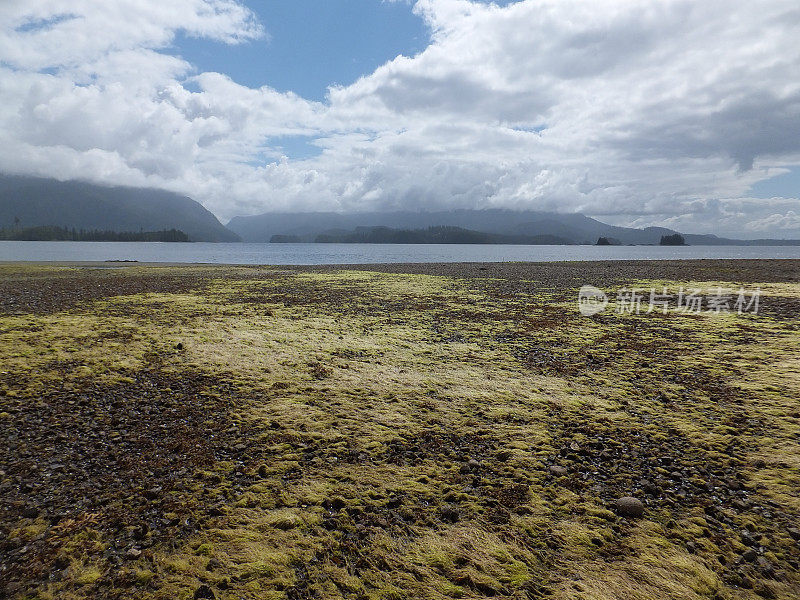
<point x="557" y="470"/>
<point x="629" y="507"/>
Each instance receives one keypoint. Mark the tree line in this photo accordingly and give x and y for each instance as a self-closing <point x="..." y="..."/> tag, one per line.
<point x="62" y="234"/>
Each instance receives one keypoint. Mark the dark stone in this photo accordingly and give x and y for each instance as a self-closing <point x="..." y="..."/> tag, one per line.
<point x="749" y="555"/>
<point x="557" y="470"/>
<point x="748" y="539"/>
<point x="651" y="488"/>
<point x="766" y="567"/>
<point x="213" y="564"/>
<point x="740" y="504"/>
<point x="30" y="512"/>
<point x="764" y="591"/>
<point x="450" y="514"/>
<point x="204" y="593"/>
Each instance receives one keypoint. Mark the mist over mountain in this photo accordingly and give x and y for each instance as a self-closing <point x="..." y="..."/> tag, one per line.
<point x="35" y="202"/>
<point x="29" y="202"/>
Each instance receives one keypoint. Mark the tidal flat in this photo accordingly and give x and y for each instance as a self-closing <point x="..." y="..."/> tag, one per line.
<point x="396" y="432"/>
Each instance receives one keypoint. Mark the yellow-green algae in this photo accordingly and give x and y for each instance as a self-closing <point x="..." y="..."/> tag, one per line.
<point x="362" y="364"/>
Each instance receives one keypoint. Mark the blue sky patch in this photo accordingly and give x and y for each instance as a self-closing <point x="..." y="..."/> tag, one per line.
<point x="786" y="185"/>
<point x="296" y="147"/>
<point x="311" y="45"/>
<point x="39" y="24"/>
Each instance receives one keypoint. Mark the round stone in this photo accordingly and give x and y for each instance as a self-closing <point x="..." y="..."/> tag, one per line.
<point x="629" y="507"/>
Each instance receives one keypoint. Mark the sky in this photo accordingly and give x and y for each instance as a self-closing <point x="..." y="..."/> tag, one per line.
<point x="675" y="113"/>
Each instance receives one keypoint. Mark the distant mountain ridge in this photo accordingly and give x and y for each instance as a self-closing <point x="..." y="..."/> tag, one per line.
<point x="36" y="202"/>
<point x="30" y="202"/>
<point x="565" y="228"/>
<point x="443" y="234"/>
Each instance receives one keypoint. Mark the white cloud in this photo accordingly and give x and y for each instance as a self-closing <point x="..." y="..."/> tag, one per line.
<point x="660" y="112"/>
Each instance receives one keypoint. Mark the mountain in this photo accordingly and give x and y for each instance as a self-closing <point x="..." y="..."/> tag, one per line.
<point x="566" y="228"/>
<point x="34" y="202"/>
<point x="570" y="228"/>
<point x="306" y="226"/>
<point x="432" y="235"/>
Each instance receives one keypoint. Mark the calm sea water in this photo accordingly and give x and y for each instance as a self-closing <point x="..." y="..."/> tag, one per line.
<point x="323" y="254"/>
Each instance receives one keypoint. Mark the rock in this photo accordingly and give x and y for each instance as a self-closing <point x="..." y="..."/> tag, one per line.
<point x="133" y="554"/>
<point x="179" y="346"/>
<point x="12" y="588"/>
<point x="766" y="567"/>
<point x="213" y="564"/>
<point x="759" y="463"/>
<point x="691" y="547"/>
<point x="749" y="555"/>
<point x="794" y="532"/>
<point x="450" y="514"/>
<point x="204" y="593"/>
<point x="474" y="464"/>
<point x="740" y="504"/>
<point x="650" y="488"/>
<point x="745" y="582"/>
<point x="747" y="538"/>
<point x="557" y="470"/>
<point x="30" y="512"/>
<point x="629" y="507"/>
<point x="764" y="591"/>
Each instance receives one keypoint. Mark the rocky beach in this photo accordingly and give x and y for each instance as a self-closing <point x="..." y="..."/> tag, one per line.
<point x="398" y="431"/>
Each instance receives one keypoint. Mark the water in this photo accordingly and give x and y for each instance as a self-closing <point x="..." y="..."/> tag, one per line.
<point x="323" y="254"/>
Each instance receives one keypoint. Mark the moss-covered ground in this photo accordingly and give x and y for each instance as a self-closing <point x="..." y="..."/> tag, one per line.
<point x="388" y="433"/>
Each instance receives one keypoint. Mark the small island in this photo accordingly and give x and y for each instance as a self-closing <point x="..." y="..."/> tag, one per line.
<point x="672" y="240"/>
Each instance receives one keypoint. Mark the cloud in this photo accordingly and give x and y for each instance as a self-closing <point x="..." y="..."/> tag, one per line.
<point x="777" y="221"/>
<point x="641" y="112"/>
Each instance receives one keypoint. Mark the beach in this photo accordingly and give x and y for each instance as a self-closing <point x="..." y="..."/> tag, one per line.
<point x="458" y="430"/>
